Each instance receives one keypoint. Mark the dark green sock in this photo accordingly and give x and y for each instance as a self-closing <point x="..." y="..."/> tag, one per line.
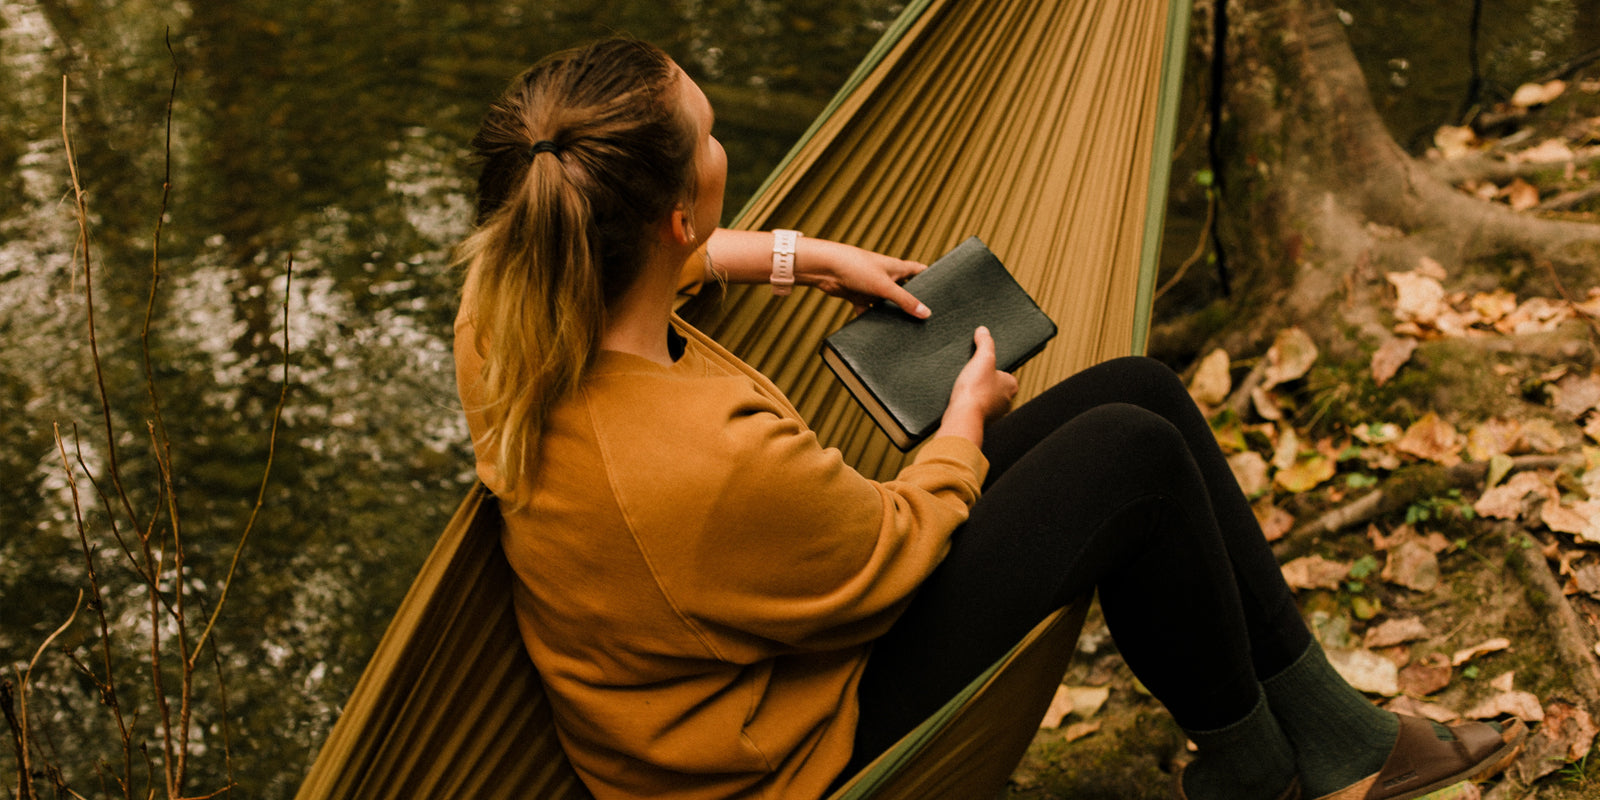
<point x="1339" y="736"/>
<point x="1248" y="760"/>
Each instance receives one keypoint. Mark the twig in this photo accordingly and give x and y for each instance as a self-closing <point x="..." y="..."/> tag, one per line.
<point x="1567" y="200"/>
<point x="266" y="472"/>
<point x="1562" y="289"/>
<point x="19" y="719"/>
<point x="1200" y="247"/>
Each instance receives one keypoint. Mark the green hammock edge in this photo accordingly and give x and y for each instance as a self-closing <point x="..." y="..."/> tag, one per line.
<point x="1171" y="91"/>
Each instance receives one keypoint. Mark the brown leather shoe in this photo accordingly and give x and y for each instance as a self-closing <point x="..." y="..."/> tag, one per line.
<point x="1420" y="763"/>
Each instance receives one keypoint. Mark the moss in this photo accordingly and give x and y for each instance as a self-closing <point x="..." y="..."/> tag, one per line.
<point x="1126" y="760"/>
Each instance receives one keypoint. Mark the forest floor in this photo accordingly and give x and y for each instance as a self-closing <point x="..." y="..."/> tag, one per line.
<point x="1437" y="509"/>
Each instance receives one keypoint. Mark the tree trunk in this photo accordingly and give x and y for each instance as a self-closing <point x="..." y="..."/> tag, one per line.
<point x="1318" y="200"/>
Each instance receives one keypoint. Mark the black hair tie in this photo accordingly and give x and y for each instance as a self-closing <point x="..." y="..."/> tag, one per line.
<point x="543" y="146"/>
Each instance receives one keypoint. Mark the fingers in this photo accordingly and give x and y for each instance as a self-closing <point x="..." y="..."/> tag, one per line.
<point x="897" y="294"/>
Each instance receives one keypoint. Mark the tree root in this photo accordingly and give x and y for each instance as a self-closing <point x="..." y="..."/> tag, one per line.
<point x="1574" y="640"/>
<point x="1407" y="487"/>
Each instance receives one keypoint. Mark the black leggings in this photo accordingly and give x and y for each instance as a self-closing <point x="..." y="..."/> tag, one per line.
<point x="1110" y="481"/>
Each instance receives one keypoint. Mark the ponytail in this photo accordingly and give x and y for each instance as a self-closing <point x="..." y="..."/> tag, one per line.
<point x="582" y="153"/>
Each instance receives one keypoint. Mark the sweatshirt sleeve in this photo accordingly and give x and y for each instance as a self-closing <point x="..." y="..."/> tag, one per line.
<point x="759" y="535"/>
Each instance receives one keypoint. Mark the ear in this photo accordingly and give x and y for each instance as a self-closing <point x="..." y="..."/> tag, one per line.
<point x="681" y="228"/>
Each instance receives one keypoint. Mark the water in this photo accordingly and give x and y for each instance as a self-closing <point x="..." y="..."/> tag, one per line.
<point x="330" y="136"/>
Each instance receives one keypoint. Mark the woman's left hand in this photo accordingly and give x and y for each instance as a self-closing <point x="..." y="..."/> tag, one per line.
<point x="859" y="276"/>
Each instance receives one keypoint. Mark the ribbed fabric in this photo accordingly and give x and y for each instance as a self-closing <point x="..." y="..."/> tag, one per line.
<point x="1247" y="760"/>
<point x="1339" y="737"/>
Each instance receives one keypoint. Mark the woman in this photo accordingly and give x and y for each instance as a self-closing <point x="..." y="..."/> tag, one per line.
<point x="720" y="607"/>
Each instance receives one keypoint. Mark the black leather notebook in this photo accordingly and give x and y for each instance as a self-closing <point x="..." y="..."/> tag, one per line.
<point x="901" y="368"/>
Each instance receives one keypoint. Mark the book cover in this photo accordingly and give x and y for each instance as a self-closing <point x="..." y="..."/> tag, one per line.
<point x="900" y="369"/>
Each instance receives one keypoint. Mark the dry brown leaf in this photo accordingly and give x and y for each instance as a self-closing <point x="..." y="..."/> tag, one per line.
<point x="1433" y="439"/>
<point x="1587" y="579"/>
<point x="1534" y="315"/>
<point x="1426" y="677"/>
<point x="1482" y="648"/>
<point x="1265" y="404"/>
<point x="1417" y="708"/>
<point x="1542" y="436"/>
<point x="1306" y="474"/>
<point x="1060" y="707"/>
<point x="1366" y="671"/>
<point x="1419" y="298"/>
<point x="1413" y="565"/>
<point x="1506" y="500"/>
<point x="1521" y="195"/>
<point x="1523" y="705"/>
<point x="1290" y="357"/>
<point x="1566" y="735"/>
<point x="1592" y="428"/>
<point x="1431" y="268"/>
<point x="1493" y="437"/>
<point x="1493" y="306"/>
<point x="1375" y="433"/>
<point x="1250" y="470"/>
<point x="1504" y="682"/>
<point x="1078" y="730"/>
<point x="1395" y="631"/>
<point x="1581" y="519"/>
<point x="1391" y="356"/>
<point x="1529" y="95"/>
<point x="1212" y="381"/>
<point x="1087" y="700"/>
<point x="1545" y="152"/>
<point x="1576" y="394"/>
<point x="1275" y="522"/>
<point x="1314" y="572"/>
<point x="1287" y="448"/>
<point x="1454" y="141"/>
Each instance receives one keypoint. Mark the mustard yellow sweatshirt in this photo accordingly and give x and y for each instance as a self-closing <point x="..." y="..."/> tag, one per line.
<point x="698" y="580"/>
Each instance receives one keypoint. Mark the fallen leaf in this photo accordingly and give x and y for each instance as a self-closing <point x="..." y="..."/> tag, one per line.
<point x="1454" y="141"/>
<point x="1529" y="95"/>
<point x="1493" y="437"/>
<point x="1587" y="579"/>
<point x="1395" y="631"/>
<point x="1505" y="681"/>
<point x="1212" y="381"/>
<point x="1542" y="436"/>
<point x="1087" y="700"/>
<point x="1534" y="315"/>
<point x="1391" y="356"/>
<point x="1523" y="705"/>
<point x="1466" y="790"/>
<point x="1488" y="646"/>
<point x="1419" y="298"/>
<point x="1376" y="433"/>
<point x="1413" y="565"/>
<point x="1431" y="268"/>
<point x="1366" y="671"/>
<point x="1592" y="428"/>
<point x="1314" y="572"/>
<point x="1060" y="707"/>
<point x="1290" y="357"/>
<point x="1521" y="195"/>
<point x="1265" y="404"/>
<point x="1306" y="474"/>
<point x="1581" y="519"/>
<point x="1423" y="678"/>
<point x="1493" y="306"/>
<point x="1506" y="500"/>
<point x="1547" y="151"/>
<point x="1433" y="439"/>
<point x="1078" y="730"/>
<point x="1416" y="708"/>
<point x="1275" y="522"/>
<point x="1576" y="394"/>
<point x="1566" y="735"/>
<point x="1250" y="470"/>
<point x="1287" y="449"/>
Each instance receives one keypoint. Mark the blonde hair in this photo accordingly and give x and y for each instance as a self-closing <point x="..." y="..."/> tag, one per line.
<point x="580" y="155"/>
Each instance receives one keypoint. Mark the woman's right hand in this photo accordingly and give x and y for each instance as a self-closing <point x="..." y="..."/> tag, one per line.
<point x="981" y="393"/>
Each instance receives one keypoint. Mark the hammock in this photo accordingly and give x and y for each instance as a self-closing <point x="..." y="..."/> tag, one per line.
<point x="1043" y="126"/>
